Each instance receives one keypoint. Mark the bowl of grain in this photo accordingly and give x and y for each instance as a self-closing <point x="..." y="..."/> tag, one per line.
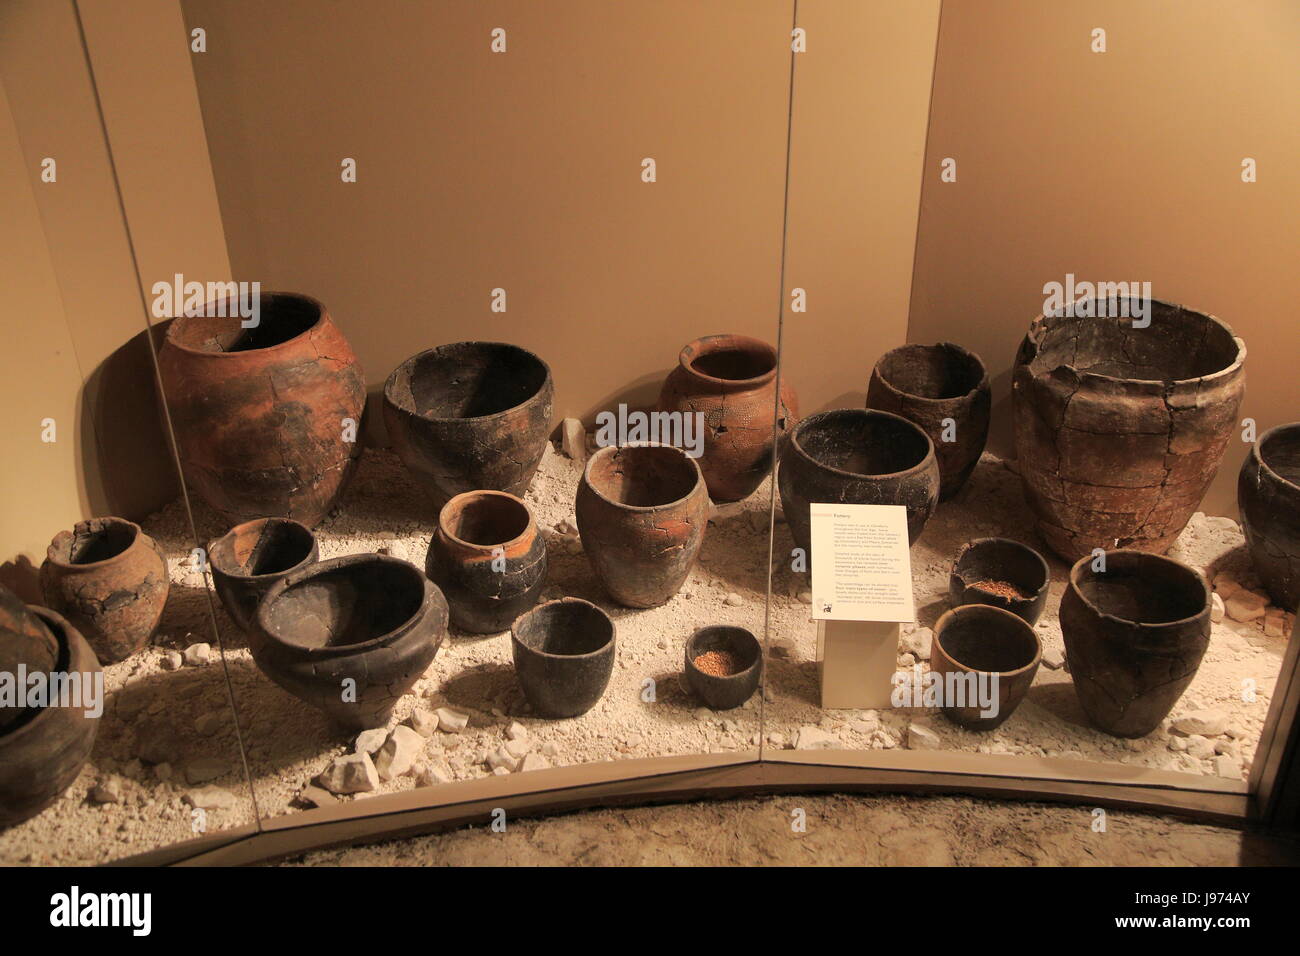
<point x="723" y="665"/>
<point x="1002" y="573"/>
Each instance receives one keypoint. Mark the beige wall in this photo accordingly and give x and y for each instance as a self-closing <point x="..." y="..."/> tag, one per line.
<point x="1122" y="165"/>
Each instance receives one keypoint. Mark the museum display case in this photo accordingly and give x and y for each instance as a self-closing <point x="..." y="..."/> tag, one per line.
<point x="542" y="408"/>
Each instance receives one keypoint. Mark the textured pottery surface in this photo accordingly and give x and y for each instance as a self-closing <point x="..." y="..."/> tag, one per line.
<point x="1134" y="637"/>
<point x="488" y="558"/>
<point x="375" y="620"/>
<point x="724" y="692"/>
<point x="25" y="642"/>
<point x="642" y="511"/>
<point x="252" y="556"/>
<point x="42" y="754"/>
<point x="731" y="379"/>
<point x="564" y="654"/>
<point x="932" y="385"/>
<point x="110" y="580"/>
<point x="261" y="414"/>
<point x="857" y="456"/>
<point x="1268" y="497"/>
<point x="1119" y="431"/>
<point x="980" y="639"/>
<point x="470" y="416"/>
<point x="1000" y="560"/>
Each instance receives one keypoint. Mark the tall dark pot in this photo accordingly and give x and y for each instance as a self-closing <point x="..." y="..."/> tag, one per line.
<point x="1134" y="637"/>
<point x="978" y="643"/>
<point x="1120" y="430"/>
<point x="266" y="418"/>
<point x="470" y="416"/>
<point x="944" y="389"/>
<point x="1268" y="497"/>
<point x="564" y="654"/>
<point x="350" y="635"/>
<point x="731" y="379"/>
<point x="488" y="558"/>
<point x="249" y="558"/>
<point x="642" y="511"/>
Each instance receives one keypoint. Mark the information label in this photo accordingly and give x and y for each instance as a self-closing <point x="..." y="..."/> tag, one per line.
<point x="861" y="565"/>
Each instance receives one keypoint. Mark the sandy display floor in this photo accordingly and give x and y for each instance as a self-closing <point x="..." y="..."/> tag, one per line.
<point x="168" y="737"/>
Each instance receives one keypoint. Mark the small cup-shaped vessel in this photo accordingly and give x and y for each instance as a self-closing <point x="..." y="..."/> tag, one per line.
<point x="642" y="511"/>
<point x="1120" y="429"/>
<point x="350" y="635"/>
<point x="470" y="416"/>
<point x="266" y="418"/>
<point x="734" y="646"/>
<point x="25" y="642"/>
<point x="252" y="556"/>
<point x="42" y="753"/>
<point x="564" y="654"/>
<point x="1268" y="497"/>
<point x="1002" y="573"/>
<point x="857" y="456"/>
<point x="109" y="579"/>
<point x="944" y="389"/>
<point x="488" y="559"/>
<point x="973" y="645"/>
<point x="731" y="380"/>
<point x="1134" y="637"/>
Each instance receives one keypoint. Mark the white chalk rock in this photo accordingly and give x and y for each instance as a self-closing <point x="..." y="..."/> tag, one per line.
<point x="573" y="439"/>
<point x="209" y="798"/>
<point x="502" y="758"/>
<point x="518" y="748"/>
<point x="108" y="790"/>
<point x="423" y="723"/>
<point x="814" y="738"/>
<point x="918" y="643"/>
<point x="369" y="741"/>
<point x="1053" y="657"/>
<point x="1245" y="605"/>
<point x="171" y="661"/>
<point x="921" y="736"/>
<point x="1225" y="765"/>
<point x="351" y="773"/>
<point x="534" y="762"/>
<point x="397" y="755"/>
<point x="432" y="775"/>
<point x="452" y="721"/>
<point x="516" y="731"/>
<point x="1207" y="723"/>
<point x="1200" y="747"/>
<point x="198" y="654"/>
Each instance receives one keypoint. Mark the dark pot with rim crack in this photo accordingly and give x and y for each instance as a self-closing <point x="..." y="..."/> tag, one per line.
<point x="249" y="558"/>
<point x="1002" y="573"/>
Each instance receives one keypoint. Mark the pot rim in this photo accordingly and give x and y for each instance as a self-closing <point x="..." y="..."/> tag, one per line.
<point x="982" y="609"/>
<point x="982" y="384"/>
<point x="529" y="529"/>
<point x="63" y="632"/>
<point x="974" y="542"/>
<point x="136" y="534"/>
<point x="641" y="509"/>
<point x="1078" y="566"/>
<point x="301" y="296"/>
<point x="392" y="379"/>
<point x="269" y="574"/>
<point x="1264" y="466"/>
<point x="589" y="655"/>
<point x="916" y="469"/>
<point x="294" y="578"/>
<point x="739" y="675"/>
<point x="712" y="344"/>
<point x="1039" y="322"/>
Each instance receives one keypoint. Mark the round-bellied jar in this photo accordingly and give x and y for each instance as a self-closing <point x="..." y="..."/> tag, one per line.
<point x="944" y="389"/>
<point x="1135" y="629"/>
<point x="266" y="418"/>
<point x="110" y="580"/>
<point x="1121" y="422"/>
<point x="488" y="559"/>
<point x="732" y="381"/>
<point x="564" y="654"/>
<point x="1002" y="573"/>
<point x="252" y="556"/>
<point x="470" y="416"/>
<point x="1268" y="497"/>
<point x="642" y="511"/>
<point x="979" y="643"/>
<point x="350" y="635"/>
<point x="857" y="456"/>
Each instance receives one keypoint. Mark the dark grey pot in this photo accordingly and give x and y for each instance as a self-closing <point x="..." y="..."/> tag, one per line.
<point x="249" y="558"/>
<point x="724" y="693"/>
<point x="1000" y="559"/>
<point x="564" y="654"/>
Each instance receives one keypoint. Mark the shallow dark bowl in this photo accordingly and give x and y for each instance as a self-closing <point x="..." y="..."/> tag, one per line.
<point x="1000" y="559"/>
<point x="724" y="693"/>
<point x="982" y="640"/>
<point x="252" y="556"/>
<point x="370" y="620"/>
<point x="564" y="654"/>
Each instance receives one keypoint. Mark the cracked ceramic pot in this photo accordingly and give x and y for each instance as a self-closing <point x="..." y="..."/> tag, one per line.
<point x="972" y="645"/>
<point x="857" y="456"/>
<point x="642" y="511"/>
<point x="717" y="688"/>
<point x="1268" y="497"/>
<point x="932" y="386"/>
<point x="488" y="558"/>
<point x="731" y="380"/>
<point x="42" y="753"/>
<point x="1119" y="430"/>
<point x="1001" y="573"/>
<point x="26" y="644"/>
<point x="1134" y="633"/>
<point x="470" y="416"/>
<point x="350" y="635"/>
<point x="110" y="580"/>
<point x="261" y="415"/>
<point x="252" y="556"/>
<point x="564" y="654"/>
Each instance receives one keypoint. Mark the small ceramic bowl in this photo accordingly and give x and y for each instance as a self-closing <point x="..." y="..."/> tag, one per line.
<point x="1005" y="562"/>
<point x="723" y="692"/>
<point x="252" y="556"/>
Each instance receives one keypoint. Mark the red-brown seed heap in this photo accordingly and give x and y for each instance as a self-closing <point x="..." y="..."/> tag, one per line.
<point x="718" y="663"/>
<point x="1003" y="589"/>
